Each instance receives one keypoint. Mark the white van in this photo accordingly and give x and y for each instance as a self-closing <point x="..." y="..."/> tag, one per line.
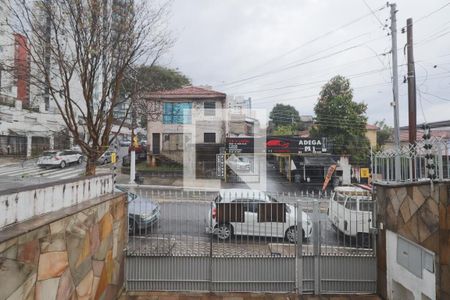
<point x="350" y="211"/>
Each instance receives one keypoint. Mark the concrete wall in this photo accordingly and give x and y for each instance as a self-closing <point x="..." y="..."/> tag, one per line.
<point x="420" y="213"/>
<point x="74" y="253"/>
<point x="401" y="282"/>
<point x="17" y="205"/>
<point x="371" y="135"/>
<point x="200" y="124"/>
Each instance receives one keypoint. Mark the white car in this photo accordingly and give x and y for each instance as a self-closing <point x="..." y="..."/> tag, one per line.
<point x="55" y="158"/>
<point x="239" y="164"/>
<point x="350" y="211"/>
<point x="254" y="213"/>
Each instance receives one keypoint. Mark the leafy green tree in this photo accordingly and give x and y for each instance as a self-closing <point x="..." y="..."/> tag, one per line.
<point x="147" y="79"/>
<point x="158" y="78"/>
<point x="285" y="116"/>
<point x="342" y="120"/>
<point x="284" y="130"/>
<point x="384" y="133"/>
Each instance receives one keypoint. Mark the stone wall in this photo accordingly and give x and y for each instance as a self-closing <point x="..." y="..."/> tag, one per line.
<point x="75" y="253"/>
<point x="420" y="213"/>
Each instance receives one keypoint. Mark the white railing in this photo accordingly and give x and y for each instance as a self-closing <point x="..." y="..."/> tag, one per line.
<point x="17" y="205"/>
<point x="414" y="164"/>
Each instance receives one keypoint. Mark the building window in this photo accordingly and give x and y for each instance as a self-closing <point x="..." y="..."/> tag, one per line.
<point x="209" y="137"/>
<point x="172" y="142"/>
<point x="210" y="108"/>
<point x="177" y="113"/>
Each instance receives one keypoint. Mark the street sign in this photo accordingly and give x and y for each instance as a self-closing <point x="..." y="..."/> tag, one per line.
<point x="364" y="172"/>
<point x="135" y="142"/>
<point x="240" y="145"/>
<point x="220" y="165"/>
<point x="113" y="157"/>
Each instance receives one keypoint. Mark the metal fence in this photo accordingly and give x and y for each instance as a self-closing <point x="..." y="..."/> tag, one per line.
<point x="250" y="241"/>
<point x="412" y="161"/>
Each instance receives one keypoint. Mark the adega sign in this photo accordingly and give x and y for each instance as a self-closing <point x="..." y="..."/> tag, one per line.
<point x="277" y="144"/>
<point x="281" y="144"/>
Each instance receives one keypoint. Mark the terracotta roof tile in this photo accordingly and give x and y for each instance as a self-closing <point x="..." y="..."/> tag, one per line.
<point x="187" y="92"/>
<point x="404" y="134"/>
<point x="371" y="127"/>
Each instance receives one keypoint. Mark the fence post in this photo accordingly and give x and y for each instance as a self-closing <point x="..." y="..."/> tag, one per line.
<point x="316" y="247"/>
<point x="299" y="251"/>
<point x="210" y="248"/>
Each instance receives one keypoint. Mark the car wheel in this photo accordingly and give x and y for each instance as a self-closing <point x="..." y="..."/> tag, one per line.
<point x="224" y="231"/>
<point x="291" y="234"/>
<point x="62" y="164"/>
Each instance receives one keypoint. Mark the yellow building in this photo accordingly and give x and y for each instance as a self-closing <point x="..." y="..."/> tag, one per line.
<point x="371" y="134"/>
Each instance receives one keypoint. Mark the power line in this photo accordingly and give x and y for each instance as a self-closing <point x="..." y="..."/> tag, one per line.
<point x="432" y="13"/>
<point x="318" y="38"/>
<point x="373" y="13"/>
<point x="292" y="66"/>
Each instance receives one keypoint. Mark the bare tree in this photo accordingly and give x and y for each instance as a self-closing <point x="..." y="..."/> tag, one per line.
<point x="80" y="52"/>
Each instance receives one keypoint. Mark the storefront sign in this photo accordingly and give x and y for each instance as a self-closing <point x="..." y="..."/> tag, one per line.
<point x="220" y="165"/>
<point x="277" y="144"/>
<point x="240" y="145"/>
<point x="364" y="172"/>
<point x="282" y="144"/>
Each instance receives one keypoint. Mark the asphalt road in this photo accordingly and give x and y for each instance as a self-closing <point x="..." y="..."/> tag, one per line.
<point x="26" y="172"/>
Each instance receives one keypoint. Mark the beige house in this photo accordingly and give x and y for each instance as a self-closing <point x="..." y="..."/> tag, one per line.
<point x="182" y="117"/>
<point x="371" y="134"/>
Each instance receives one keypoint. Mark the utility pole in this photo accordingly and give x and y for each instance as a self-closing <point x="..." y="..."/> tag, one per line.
<point x="395" y="88"/>
<point x="412" y="114"/>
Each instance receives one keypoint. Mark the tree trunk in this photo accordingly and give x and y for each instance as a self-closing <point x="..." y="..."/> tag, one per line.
<point x="90" y="167"/>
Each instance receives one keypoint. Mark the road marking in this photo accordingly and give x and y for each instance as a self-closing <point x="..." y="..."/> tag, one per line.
<point x="66" y="172"/>
<point x="14" y="171"/>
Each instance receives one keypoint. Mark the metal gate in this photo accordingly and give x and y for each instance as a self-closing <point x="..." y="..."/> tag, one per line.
<point x="263" y="254"/>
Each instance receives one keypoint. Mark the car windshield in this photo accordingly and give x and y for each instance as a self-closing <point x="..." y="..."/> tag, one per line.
<point x="49" y="153"/>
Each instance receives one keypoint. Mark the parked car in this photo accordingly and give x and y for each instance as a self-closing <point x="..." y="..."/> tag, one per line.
<point x="350" y="211"/>
<point x="238" y="164"/>
<point x="141" y="152"/>
<point x="254" y="213"/>
<point x="77" y="149"/>
<point x="143" y="213"/>
<point x="105" y="158"/>
<point x="125" y="143"/>
<point x="55" y="158"/>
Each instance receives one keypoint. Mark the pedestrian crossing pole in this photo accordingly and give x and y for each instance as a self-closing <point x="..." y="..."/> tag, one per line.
<point x="114" y="164"/>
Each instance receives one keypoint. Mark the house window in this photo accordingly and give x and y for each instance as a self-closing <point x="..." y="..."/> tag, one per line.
<point x="209" y="137"/>
<point x="177" y="113"/>
<point x="172" y="142"/>
<point x="210" y="108"/>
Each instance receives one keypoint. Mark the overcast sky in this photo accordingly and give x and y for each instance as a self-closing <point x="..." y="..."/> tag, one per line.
<point x="284" y="51"/>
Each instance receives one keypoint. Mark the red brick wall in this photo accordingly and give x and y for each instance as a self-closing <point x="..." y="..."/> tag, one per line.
<point x="22" y="68"/>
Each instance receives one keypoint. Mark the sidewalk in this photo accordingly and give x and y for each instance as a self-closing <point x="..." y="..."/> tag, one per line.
<point x="9" y="161"/>
<point x="172" y="183"/>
